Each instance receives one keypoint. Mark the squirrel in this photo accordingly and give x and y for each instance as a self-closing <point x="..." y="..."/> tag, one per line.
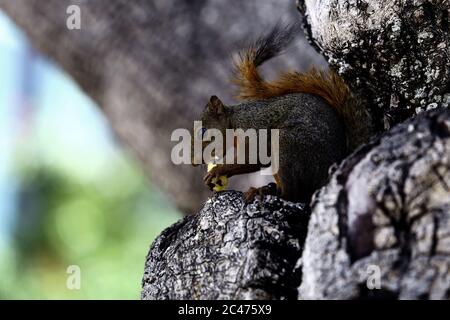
<point x="319" y="120"/>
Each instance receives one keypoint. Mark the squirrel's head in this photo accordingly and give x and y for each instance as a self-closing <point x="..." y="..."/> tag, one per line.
<point x="215" y="116"/>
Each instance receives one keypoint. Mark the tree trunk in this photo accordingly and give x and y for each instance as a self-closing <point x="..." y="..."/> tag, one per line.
<point x="229" y="251"/>
<point x="394" y="54"/>
<point x="384" y="219"/>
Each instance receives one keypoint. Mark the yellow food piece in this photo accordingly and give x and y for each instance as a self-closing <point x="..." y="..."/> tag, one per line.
<point x="223" y="179"/>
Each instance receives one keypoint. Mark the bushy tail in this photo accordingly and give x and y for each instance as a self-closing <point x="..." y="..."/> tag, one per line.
<point x="326" y="84"/>
<point x="251" y="85"/>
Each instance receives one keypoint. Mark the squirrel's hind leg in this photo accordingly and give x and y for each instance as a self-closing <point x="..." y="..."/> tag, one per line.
<point x="277" y="178"/>
<point x="270" y="189"/>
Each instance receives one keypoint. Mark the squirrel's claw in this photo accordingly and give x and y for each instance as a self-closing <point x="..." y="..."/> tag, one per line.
<point x="250" y="195"/>
<point x="213" y="173"/>
<point x="270" y="189"/>
<point x="207" y="180"/>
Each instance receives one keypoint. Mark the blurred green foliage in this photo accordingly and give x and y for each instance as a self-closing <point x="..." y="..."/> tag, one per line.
<point x="103" y="225"/>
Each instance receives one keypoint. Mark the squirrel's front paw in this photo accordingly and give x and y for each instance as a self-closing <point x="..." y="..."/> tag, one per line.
<point x="212" y="178"/>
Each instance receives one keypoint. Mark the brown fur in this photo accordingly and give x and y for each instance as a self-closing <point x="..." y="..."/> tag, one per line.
<point x="326" y="84"/>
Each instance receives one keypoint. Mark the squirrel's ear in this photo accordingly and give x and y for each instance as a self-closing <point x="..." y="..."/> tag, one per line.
<point x="216" y="105"/>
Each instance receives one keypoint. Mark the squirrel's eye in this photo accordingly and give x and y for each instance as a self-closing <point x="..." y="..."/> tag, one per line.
<point x="201" y="132"/>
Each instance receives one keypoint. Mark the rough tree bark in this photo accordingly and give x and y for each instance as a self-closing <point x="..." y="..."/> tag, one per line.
<point x="385" y="210"/>
<point x="229" y="251"/>
<point x="395" y="54"/>
<point x="151" y="65"/>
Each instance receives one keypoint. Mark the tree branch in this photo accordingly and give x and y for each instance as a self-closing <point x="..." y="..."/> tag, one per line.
<point x="229" y="251"/>
<point x="387" y="210"/>
<point x="394" y="54"/>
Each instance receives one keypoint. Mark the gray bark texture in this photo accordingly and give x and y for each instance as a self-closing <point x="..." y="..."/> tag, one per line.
<point x="151" y="66"/>
<point x="229" y="250"/>
<point x="393" y="53"/>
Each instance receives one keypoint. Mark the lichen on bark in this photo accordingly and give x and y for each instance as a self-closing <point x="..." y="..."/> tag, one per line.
<point x="386" y="209"/>
<point x="393" y="54"/>
<point x="229" y="250"/>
